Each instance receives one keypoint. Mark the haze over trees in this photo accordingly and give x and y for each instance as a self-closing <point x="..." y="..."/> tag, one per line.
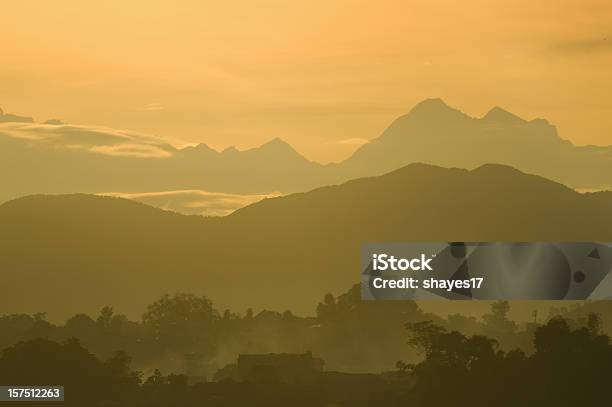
<point x="445" y="364"/>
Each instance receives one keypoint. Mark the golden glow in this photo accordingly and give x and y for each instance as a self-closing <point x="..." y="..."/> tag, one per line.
<point x="322" y="75"/>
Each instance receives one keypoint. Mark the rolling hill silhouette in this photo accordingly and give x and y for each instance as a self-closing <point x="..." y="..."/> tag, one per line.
<point x="278" y="253"/>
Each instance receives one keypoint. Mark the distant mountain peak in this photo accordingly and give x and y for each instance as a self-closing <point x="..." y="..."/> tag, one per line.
<point x="434" y="108"/>
<point x="499" y="115"/>
<point x="277" y="143"/>
<point x="230" y="150"/>
<point x="276" y="149"/>
<point x="432" y="104"/>
<point x="279" y="146"/>
<point x="202" y="146"/>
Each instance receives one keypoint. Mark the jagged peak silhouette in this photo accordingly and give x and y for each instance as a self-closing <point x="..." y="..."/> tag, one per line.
<point x="499" y="115"/>
<point x="434" y="108"/>
<point x="276" y="142"/>
<point x="200" y="147"/>
<point x="279" y="145"/>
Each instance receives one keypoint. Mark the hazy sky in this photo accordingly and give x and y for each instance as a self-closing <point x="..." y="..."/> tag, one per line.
<point x="319" y="74"/>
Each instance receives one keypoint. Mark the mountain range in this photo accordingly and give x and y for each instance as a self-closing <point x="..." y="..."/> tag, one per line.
<point x="50" y="158"/>
<point x="438" y="134"/>
<point x="63" y="158"/>
<point x="278" y="253"/>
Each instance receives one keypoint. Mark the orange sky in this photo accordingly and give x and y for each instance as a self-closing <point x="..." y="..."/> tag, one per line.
<point x="319" y="74"/>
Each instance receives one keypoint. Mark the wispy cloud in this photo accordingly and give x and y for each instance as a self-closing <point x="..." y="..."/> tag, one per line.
<point x="351" y="141"/>
<point x="194" y="202"/>
<point x="93" y="139"/>
<point x="152" y="107"/>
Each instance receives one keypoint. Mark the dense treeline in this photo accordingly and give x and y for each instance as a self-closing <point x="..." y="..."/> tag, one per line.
<point x="186" y="334"/>
<point x="569" y="366"/>
<point x="90" y="382"/>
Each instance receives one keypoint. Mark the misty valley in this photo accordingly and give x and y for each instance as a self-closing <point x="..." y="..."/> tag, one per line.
<point x="183" y="350"/>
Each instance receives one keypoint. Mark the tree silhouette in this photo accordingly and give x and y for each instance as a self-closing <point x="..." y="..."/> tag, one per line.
<point x="85" y="379"/>
<point x="183" y="322"/>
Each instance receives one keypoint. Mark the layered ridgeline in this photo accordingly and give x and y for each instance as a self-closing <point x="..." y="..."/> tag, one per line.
<point x="62" y="158"/>
<point x="435" y="133"/>
<point x="280" y="253"/>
